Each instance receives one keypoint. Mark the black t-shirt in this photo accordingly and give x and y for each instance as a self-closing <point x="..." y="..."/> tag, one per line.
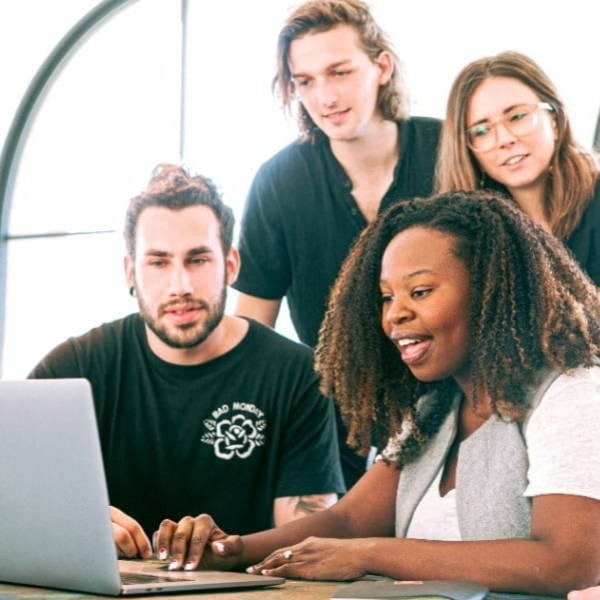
<point x="301" y="219"/>
<point x="584" y="242"/>
<point x="224" y="437"/>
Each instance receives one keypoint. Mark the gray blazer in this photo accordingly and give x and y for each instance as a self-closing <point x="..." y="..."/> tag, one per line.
<point x="491" y="476"/>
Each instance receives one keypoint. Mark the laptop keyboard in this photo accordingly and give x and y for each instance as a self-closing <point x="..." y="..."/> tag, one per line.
<point x="132" y="578"/>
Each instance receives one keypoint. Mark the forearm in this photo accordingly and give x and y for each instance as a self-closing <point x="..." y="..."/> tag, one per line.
<point x="290" y="508"/>
<point x="530" y="566"/>
<point x="326" y="523"/>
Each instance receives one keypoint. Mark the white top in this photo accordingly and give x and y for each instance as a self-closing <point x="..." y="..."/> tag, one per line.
<point x="435" y="517"/>
<point x="563" y="447"/>
<point x="563" y="437"/>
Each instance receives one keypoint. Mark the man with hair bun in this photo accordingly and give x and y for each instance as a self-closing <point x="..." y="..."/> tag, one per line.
<point x="198" y="411"/>
<point x="358" y="151"/>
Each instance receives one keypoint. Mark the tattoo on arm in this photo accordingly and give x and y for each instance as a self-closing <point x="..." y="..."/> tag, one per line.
<point x="309" y="504"/>
<point x="289" y="508"/>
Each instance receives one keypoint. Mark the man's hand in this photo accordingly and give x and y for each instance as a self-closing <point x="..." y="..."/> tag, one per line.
<point x="130" y="539"/>
<point x="196" y="542"/>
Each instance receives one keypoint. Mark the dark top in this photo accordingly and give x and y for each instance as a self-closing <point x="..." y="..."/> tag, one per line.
<point x="584" y="242"/>
<point x="224" y="437"/>
<point x="300" y="221"/>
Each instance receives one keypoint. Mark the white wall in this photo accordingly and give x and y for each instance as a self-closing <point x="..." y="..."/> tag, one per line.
<point x="114" y="113"/>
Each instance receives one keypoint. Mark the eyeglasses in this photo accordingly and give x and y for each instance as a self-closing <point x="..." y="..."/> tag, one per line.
<point x="519" y="120"/>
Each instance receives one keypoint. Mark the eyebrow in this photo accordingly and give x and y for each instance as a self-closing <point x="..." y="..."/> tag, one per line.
<point x="190" y="252"/>
<point x="335" y="65"/>
<point x="507" y="109"/>
<point x="413" y="274"/>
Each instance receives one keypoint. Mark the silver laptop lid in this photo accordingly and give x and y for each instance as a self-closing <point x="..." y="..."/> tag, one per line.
<point x="54" y="526"/>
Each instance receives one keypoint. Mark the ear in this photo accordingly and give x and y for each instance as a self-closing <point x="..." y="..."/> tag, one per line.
<point x="128" y="265"/>
<point x="385" y="62"/>
<point x="232" y="265"/>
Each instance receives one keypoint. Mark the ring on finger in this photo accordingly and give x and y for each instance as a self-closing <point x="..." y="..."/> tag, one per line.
<point x="288" y="554"/>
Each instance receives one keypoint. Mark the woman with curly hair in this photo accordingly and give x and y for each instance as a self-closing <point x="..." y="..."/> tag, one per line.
<point x="507" y="129"/>
<point x="465" y="337"/>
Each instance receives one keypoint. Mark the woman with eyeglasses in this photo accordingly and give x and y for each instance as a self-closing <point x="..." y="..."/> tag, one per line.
<point x="506" y="129"/>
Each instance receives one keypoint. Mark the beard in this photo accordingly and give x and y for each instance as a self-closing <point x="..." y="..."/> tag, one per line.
<point x="187" y="335"/>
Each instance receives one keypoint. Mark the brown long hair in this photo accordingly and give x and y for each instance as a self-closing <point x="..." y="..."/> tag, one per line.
<point x="573" y="170"/>
<point x="317" y="16"/>
<point x="530" y="307"/>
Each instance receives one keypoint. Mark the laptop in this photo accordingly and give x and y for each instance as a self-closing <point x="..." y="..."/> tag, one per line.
<point x="54" y="518"/>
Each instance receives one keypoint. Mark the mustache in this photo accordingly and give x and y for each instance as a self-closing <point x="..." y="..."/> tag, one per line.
<point x="183" y="303"/>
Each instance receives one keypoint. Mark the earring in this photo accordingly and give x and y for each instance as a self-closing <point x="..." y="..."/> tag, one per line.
<point x="482" y="179"/>
<point x="132" y="291"/>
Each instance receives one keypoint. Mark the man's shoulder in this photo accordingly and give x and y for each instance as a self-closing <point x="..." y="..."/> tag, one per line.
<point x="296" y="155"/>
<point x="107" y="333"/>
<point x="76" y="355"/>
<point x="102" y="340"/>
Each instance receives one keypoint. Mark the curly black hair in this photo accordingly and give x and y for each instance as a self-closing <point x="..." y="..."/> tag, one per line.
<point x="531" y="308"/>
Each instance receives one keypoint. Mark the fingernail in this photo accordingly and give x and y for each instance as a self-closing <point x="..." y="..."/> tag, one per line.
<point x="265" y="572"/>
<point x="173" y="565"/>
<point x="220" y="547"/>
<point x="188" y="566"/>
<point x="250" y="569"/>
<point x="162" y="554"/>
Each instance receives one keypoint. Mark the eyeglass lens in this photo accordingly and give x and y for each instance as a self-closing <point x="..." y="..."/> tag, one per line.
<point x="520" y="120"/>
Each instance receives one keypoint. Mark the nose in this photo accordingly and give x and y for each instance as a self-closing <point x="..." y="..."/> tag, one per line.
<point x="180" y="283"/>
<point x="327" y="94"/>
<point x="504" y="137"/>
<point x="396" y="312"/>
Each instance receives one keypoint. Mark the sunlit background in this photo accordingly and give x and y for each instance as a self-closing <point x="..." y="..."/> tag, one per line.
<point x="137" y="93"/>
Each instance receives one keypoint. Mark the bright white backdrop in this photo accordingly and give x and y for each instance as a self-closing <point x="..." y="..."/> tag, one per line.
<point x="114" y="113"/>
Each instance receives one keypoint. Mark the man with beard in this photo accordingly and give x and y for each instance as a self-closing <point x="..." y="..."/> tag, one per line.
<point x="198" y="411"/>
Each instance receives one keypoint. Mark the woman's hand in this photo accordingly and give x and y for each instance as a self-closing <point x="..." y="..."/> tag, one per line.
<point x="314" y="558"/>
<point x="197" y="542"/>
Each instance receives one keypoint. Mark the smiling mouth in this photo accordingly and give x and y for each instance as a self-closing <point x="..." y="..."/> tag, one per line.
<point x="413" y="350"/>
<point x="514" y="160"/>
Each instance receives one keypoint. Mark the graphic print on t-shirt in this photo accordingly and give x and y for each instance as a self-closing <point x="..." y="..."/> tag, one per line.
<point x="235" y="430"/>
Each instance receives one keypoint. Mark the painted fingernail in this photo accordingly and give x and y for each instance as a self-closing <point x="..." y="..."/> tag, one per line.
<point x="220" y="547"/>
<point x="189" y="566"/>
<point x="250" y="569"/>
<point x="162" y="554"/>
<point x="265" y="572"/>
<point x="173" y="565"/>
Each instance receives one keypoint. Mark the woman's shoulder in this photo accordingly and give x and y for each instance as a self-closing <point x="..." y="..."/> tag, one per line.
<point x="581" y="376"/>
<point x="577" y="390"/>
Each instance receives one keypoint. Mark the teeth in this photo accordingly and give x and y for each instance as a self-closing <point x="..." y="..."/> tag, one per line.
<point x="514" y="160"/>
<point x="407" y="342"/>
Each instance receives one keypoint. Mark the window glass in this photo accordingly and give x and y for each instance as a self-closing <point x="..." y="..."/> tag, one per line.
<point x="112" y="114"/>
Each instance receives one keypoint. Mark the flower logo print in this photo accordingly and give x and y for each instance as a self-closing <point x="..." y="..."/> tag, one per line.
<point x="237" y="436"/>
